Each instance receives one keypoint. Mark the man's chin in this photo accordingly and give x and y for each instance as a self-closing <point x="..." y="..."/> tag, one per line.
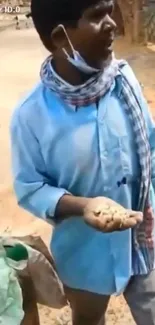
<point x="108" y="59"/>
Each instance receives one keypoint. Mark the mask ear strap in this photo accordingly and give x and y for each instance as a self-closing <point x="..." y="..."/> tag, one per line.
<point x="69" y="42"/>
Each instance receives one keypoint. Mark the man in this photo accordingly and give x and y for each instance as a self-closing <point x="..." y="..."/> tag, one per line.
<point x="17" y="22"/>
<point x="82" y="135"/>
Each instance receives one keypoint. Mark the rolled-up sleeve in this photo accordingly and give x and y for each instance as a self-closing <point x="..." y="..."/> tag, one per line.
<point x="35" y="191"/>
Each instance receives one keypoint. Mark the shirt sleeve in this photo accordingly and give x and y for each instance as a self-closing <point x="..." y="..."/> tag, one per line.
<point x="150" y="124"/>
<point x="35" y="191"/>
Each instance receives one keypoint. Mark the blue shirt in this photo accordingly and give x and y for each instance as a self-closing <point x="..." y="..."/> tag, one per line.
<point x="57" y="149"/>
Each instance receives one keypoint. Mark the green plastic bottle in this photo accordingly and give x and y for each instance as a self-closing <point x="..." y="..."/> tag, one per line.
<point x="17" y="252"/>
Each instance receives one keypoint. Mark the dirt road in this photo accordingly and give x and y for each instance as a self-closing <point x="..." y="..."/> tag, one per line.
<point x="21" y="54"/>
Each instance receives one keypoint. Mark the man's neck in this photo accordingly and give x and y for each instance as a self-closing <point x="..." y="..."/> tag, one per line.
<point x="68" y="72"/>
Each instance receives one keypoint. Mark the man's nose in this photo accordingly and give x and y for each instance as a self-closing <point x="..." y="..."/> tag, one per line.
<point x="109" y="24"/>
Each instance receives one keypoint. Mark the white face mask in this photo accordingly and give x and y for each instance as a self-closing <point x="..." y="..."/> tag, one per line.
<point x="77" y="60"/>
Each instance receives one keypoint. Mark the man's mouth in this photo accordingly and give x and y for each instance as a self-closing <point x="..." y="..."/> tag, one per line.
<point x="109" y="42"/>
<point x="108" y="48"/>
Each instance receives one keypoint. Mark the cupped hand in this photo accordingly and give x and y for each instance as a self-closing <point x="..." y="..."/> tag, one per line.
<point x="107" y="216"/>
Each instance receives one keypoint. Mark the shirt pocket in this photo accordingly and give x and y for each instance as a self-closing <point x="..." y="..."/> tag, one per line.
<point x="129" y="158"/>
<point x="120" y="162"/>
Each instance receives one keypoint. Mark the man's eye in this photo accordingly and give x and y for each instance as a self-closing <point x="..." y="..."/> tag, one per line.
<point x="110" y="11"/>
<point x="96" y="14"/>
<point x="99" y="13"/>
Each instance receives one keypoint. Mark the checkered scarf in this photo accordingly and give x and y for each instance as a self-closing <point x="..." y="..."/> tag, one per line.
<point x="98" y="85"/>
<point x="90" y="92"/>
<point x="143" y="241"/>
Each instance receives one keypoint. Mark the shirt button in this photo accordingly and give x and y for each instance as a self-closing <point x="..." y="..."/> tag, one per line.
<point x="104" y="155"/>
<point x="101" y="121"/>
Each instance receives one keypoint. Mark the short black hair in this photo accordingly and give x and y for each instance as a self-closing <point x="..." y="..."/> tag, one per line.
<point x="47" y="14"/>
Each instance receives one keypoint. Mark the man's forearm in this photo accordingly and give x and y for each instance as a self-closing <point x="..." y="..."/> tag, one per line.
<point x="69" y="206"/>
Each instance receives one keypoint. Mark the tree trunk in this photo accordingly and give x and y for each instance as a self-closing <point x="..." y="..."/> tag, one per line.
<point x="137" y="23"/>
<point x="126" y="9"/>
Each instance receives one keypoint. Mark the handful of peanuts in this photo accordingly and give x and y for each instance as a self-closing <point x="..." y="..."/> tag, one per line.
<point x="107" y="216"/>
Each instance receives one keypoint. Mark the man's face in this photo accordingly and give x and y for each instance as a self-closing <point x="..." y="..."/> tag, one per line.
<point x="94" y="34"/>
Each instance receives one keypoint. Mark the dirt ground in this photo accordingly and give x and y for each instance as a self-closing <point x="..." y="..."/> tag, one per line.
<point x="21" y="54"/>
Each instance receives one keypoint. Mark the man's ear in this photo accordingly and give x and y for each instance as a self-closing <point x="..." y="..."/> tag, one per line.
<point x="58" y="38"/>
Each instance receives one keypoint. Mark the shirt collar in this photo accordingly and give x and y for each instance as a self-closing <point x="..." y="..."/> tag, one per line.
<point x="115" y="86"/>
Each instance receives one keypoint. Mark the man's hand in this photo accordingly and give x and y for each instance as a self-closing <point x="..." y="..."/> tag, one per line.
<point x="107" y="216"/>
<point x="100" y="213"/>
